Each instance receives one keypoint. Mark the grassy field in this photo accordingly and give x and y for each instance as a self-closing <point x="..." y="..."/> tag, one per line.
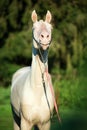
<point x="73" y="106"/>
<point x="5" y="110"/>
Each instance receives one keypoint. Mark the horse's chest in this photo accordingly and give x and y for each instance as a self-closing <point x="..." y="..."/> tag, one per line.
<point x="35" y="113"/>
<point x="35" y="106"/>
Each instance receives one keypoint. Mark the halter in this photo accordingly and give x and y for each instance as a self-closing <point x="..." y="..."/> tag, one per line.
<point x="43" y="54"/>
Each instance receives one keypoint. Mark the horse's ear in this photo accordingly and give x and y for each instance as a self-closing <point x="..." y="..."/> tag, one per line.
<point x="48" y="17"/>
<point x="34" y="16"/>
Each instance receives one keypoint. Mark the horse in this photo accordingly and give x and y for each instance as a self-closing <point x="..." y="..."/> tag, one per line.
<point x="31" y="97"/>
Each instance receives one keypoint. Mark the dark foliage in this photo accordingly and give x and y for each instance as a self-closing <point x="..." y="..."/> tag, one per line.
<point x="69" y="45"/>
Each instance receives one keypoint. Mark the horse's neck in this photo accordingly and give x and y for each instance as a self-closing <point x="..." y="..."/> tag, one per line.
<point x="37" y="68"/>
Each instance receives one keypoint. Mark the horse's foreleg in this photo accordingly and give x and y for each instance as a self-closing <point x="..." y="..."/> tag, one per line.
<point x="25" y="125"/>
<point x="45" y="126"/>
<point x="16" y="127"/>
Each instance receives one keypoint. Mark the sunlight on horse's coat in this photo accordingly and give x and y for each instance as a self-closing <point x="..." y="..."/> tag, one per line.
<point x="28" y="98"/>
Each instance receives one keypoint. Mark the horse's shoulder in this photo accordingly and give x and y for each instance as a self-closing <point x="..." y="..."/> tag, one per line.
<point x="20" y="72"/>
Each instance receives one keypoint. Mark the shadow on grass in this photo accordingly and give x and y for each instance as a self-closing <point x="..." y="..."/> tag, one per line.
<point x="75" y="121"/>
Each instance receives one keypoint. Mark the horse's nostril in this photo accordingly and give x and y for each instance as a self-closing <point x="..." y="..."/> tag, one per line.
<point x="42" y="35"/>
<point x="47" y="36"/>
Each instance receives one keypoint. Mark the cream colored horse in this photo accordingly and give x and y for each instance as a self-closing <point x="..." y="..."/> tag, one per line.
<point x="31" y="103"/>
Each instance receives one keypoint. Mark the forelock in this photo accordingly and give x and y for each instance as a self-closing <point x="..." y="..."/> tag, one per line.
<point x="42" y="25"/>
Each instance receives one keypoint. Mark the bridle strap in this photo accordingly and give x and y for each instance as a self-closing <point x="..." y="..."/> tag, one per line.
<point x="38" y="43"/>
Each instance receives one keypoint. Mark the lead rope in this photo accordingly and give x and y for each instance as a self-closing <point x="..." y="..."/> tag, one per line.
<point x="43" y="81"/>
<point x="51" y="88"/>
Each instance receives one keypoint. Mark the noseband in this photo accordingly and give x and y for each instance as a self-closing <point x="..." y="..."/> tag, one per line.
<point x="38" y="42"/>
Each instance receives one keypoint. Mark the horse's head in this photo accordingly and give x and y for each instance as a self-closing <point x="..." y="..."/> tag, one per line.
<point x="41" y="31"/>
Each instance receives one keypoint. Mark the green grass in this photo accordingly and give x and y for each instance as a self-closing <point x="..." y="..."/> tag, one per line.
<point x="73" y="106"/>
<point x="5" y="110"/>
<point x="73" y="93"/>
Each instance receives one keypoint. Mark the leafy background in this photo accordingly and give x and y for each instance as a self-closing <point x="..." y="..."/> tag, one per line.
<point x="67" y="54"/>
